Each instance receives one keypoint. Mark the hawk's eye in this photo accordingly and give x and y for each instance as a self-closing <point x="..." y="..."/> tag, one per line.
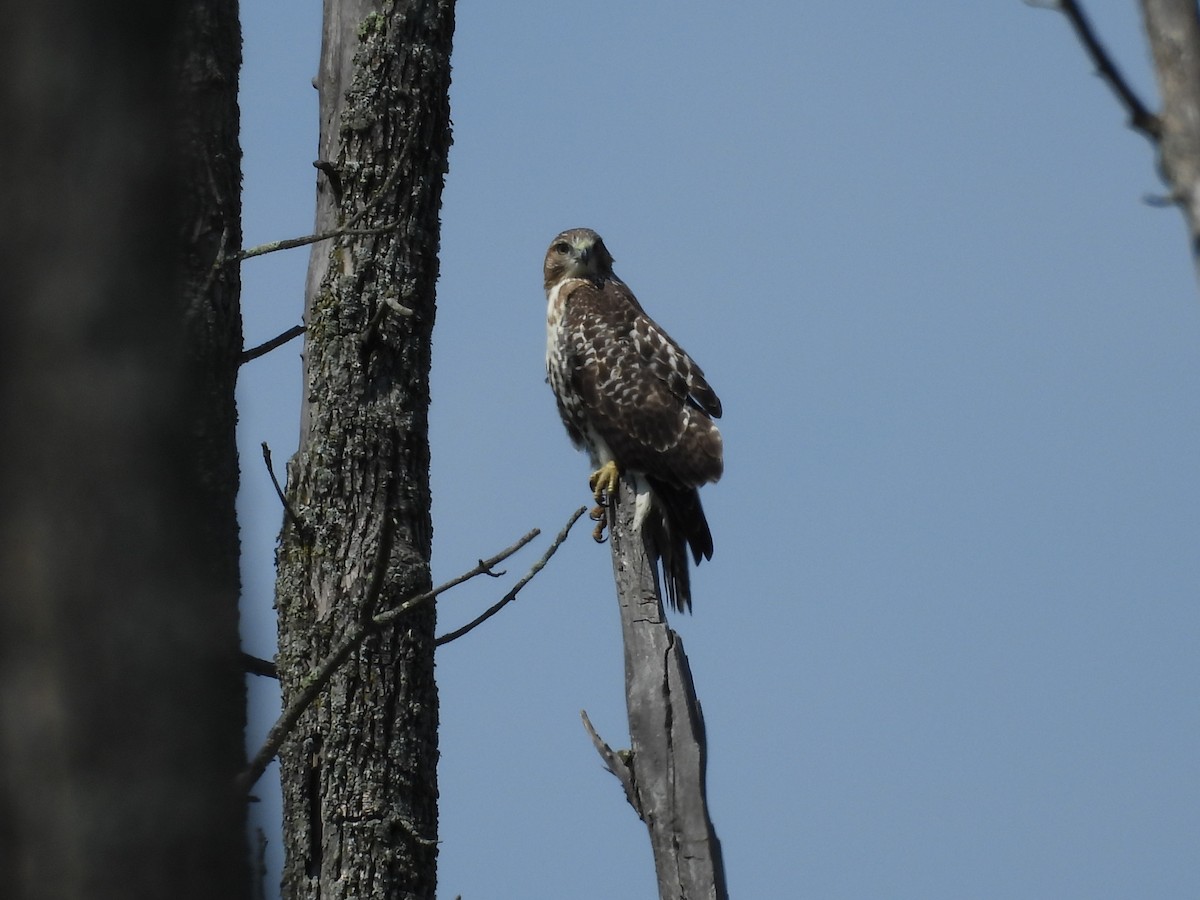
<point x="562" y="247"/>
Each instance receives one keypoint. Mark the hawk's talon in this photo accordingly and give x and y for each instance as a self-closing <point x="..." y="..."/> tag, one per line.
<point x="603" y="483"/>
<point x="599" y="515"/>
<point x="598" y="532"/>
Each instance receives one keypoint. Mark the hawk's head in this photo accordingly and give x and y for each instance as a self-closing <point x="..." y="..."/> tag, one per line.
<point x="577" y="253"/>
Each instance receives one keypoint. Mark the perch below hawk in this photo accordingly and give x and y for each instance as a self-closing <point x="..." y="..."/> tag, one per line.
<point x="632" y="398"/>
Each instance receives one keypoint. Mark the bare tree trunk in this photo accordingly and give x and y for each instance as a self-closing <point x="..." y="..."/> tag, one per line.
<point x="359" y="773"/>
<point x="120" y="688"/>
<point x="1173" y="27"/>
<point x="664" y="771"/>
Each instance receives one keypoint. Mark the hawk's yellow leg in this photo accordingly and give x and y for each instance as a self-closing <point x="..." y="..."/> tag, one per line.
<point x="603" y="483"/>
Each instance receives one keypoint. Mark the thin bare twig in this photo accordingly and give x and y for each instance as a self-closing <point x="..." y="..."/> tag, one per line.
<point x="316" y="680"/>
<point x="267" y="346"/>
<point x="293" y="243"/>
<point x="1140" y="117"/>
<point x="287" y="507"/>
<point x="346" y="230"/>
<point x="516" y="589"/>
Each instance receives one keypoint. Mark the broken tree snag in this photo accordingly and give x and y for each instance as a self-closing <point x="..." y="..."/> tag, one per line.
<point x="668" y="757"/>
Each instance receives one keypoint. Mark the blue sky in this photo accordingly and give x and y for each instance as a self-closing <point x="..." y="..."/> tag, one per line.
<point x="947" y="645"/>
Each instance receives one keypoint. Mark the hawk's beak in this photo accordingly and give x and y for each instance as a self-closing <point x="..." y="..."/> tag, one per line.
<point x="584" y="254"/>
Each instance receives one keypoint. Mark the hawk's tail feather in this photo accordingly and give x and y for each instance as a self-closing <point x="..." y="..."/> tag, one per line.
<point x="681" y="526"/>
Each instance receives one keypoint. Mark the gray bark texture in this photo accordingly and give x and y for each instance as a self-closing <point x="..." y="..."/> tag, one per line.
<point x="359" y="771"/>
<point x="664" y="772"/>
<point x="121" y="690"/>
<point x="1173" y="29"/>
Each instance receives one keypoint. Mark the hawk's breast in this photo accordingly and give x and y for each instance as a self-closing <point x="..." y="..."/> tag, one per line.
<point x="559" y="363"/>
<point x="554" y="323"/>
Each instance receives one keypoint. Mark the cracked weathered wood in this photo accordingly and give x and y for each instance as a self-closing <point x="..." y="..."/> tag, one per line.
<point x="664" y="772"/>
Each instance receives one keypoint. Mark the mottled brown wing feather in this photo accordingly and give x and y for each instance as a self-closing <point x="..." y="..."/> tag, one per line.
<point x="643" y="394"/>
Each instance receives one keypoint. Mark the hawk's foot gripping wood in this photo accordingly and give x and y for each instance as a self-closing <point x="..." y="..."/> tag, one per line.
<point x="603" y="483"/>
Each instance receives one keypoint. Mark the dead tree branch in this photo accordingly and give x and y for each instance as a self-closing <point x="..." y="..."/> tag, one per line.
<point x="316" y="680"/>
<point x="664" y="772"/>
<point x="516" y="589"/>
<point x="1140" y="117"/>
<point x="293" y="243"/>
<point x="267" y="346"/>
<point x="287" y="507"/>
<point x="1173" y="30"/>
<point x="347" y="230"/>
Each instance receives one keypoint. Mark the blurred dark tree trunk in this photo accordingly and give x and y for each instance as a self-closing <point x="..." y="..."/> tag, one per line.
<point x="120" y="690"/>
<point x="360" y="771"/>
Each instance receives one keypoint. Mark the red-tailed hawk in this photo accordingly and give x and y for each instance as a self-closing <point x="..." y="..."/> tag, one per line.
<point x="634" y="400"/>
